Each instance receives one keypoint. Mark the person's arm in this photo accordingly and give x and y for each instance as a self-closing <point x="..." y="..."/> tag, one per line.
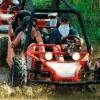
<point x="39" y="40"/>
<point x="79" y="42"/>
<point x="36" y="35"/>
<point x="9" y="20"/>
<point x="75" y="32"/>
<point x="17" y="40"/>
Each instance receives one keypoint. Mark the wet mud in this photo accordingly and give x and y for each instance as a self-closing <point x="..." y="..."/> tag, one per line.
<point x="46" y="92"/>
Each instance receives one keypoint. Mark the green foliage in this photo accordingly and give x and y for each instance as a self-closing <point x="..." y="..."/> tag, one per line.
<point x="43" y="3"/>
<point x="89" y="12"/>
<point x="91" y="19"/>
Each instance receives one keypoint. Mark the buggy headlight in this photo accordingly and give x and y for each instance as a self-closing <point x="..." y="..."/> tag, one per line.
<point x="76" y="56"/>
<point x="48" y="55"/>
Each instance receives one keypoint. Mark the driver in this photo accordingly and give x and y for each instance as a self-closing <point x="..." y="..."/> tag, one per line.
<point x="57" y="34"/>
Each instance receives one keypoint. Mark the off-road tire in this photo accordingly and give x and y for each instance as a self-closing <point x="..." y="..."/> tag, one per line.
<point x="3" y="49"/>
<point x="18" y="71"/>
<point x="18" y="49"/>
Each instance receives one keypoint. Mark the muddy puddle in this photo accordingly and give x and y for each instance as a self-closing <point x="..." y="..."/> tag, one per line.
<point x="45" y="92"/>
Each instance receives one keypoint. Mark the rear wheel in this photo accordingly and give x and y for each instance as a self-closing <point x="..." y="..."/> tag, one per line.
<point x="18" y="71"/>
<point x="3" y="49"/>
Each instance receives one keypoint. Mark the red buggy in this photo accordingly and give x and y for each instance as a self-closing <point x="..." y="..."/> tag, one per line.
<point x="70" y="72"/>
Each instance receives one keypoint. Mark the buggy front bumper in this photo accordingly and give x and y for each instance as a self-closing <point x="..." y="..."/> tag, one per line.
<point x="67" y="83"/>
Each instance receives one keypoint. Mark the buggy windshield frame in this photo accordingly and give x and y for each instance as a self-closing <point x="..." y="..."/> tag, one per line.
<point x="71" y="9"/>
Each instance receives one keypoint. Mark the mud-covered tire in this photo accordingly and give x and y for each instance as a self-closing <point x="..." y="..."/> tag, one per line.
<point x="18" y="71"/>
<point x="3" y="49"/>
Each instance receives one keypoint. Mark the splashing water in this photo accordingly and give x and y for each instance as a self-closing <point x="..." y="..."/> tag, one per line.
<point x="45" y="92"/>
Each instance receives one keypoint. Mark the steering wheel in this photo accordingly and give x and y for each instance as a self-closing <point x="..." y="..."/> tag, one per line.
<point x="69" y="43"/>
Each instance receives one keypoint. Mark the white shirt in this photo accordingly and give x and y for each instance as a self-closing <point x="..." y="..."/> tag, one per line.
<point x="0" y="1"/>
<point x="16" y="2"/>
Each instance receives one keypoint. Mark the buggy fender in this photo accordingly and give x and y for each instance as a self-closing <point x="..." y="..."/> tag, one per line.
<point x="10" y="52"/>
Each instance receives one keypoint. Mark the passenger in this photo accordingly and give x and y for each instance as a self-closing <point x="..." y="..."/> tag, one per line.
<point x="7" y="5"/>
<point x="46" y="31"/>
<point x="16" y="7"/>
<point x="35" y="37"/>
<point x="63" y="30"/>
<point x="13" y="24"/>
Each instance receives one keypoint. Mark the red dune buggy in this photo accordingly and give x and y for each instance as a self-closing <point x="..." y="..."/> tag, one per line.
<point x="70" y="72"/>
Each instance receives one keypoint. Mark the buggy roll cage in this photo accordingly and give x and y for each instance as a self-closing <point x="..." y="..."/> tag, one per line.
<point x="71" y="10"/>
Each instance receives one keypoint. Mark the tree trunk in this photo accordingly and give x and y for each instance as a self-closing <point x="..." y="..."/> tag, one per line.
<point x="99" y="3"/>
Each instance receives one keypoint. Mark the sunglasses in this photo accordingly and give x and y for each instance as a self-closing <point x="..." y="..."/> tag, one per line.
<point x="62" y="20"/>
<point x="19" y="19"/>
<point x="52" y="17"/>
<point x="34" y="25"/>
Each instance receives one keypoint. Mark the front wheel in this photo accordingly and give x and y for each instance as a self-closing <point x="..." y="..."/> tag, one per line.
<point x="18" y="71"/>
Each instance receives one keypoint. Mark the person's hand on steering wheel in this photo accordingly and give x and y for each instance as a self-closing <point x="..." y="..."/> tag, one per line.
<point x="79" y="42"/>
<point x="70" y="43"/>
<point x="64" y="46"/>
